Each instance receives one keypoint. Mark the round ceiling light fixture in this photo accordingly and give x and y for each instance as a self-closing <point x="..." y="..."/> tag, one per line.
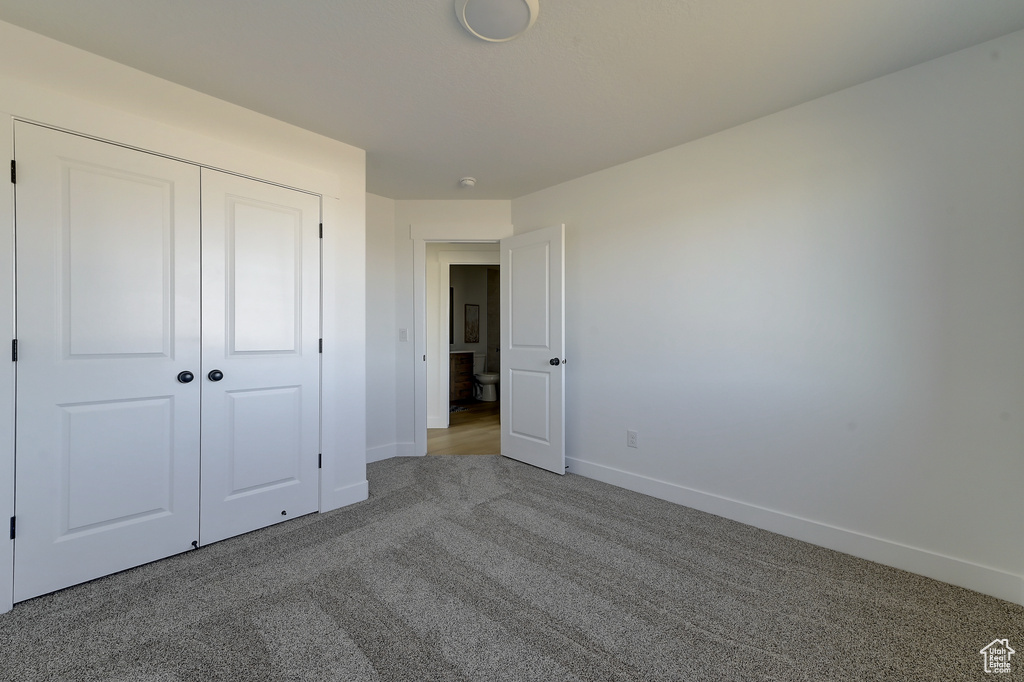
<point x="496" y="21"/>
<point x="467" y="182"/>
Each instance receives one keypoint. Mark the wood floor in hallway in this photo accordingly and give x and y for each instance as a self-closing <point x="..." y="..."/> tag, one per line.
<point x="475" y="431"/>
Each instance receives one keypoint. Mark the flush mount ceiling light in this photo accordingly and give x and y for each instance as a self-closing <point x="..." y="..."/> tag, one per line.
<point x="496" y="21"/>
<point x="467" y="182"/>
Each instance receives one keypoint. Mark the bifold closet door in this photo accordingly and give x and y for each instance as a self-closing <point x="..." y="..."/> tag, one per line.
<point x="108" y="323"/>
<point x="261" y="362"/>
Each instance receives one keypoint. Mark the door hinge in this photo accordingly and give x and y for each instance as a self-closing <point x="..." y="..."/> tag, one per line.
<point x="14" y="172"/>
<point x="320" y="461"/>
<point x="14" y="350"/>
<point x="12" y="527"/>
<point x="321" y="345"/>
<point x="321" y="230"/>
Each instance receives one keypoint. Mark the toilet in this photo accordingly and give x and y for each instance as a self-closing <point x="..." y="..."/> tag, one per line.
<point x="486" y="387"/>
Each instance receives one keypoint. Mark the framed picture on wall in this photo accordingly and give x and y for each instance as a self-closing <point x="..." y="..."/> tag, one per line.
<point x="472" y="323"/>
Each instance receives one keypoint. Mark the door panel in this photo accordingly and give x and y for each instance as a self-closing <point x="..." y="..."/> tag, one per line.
<point x="265" y="266"/>
<point x="264" y="453"/>
<point x="531" y="297"/>
<point x="531" y="413"/>
<point x="93" y="483"/>
<point x="532" y="338"/>
<point x="108" y="315"/>
<point x="116" y="230"/>
<point x="261" y="252"/>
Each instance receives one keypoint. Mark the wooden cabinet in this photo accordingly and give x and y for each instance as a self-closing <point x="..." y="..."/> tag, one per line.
<point x="460" y="376"/>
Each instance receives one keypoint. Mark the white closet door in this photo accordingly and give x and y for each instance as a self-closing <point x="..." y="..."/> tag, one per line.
<point x="261" y="363"/>
<point x="108" y="316"/>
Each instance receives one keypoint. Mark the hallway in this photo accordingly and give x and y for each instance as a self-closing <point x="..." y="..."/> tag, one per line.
<point x="474" y="431"/>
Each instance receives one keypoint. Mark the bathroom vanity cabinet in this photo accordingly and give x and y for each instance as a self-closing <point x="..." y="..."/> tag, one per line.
<point x="460" y="375"/>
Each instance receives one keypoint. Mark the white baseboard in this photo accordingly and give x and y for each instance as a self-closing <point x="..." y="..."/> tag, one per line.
<point x="929" y="564"/>
<point x="437" y="422"/>
<point x="391" y="450"/>
<point x="381" y="452"/>
<point x="344" y="496"/>
<point x="406" y="450"/>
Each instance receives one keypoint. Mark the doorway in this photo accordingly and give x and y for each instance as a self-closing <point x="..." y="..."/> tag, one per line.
<point x="532" y="329"/>
<point x="473" y="334"/>
<point x="456" y="347"/>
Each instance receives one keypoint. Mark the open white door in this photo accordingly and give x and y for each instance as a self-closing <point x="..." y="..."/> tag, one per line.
<point x="532" y="348"/>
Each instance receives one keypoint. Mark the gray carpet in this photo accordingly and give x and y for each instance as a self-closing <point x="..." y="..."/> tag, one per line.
<point x="480" y="568"/>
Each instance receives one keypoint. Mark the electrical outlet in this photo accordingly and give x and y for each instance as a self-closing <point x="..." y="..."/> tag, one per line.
<point x="631" y="439"/>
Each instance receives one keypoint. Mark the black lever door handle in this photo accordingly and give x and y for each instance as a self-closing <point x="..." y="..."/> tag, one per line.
<point x="185" y="377"/>
<point x="215" y="375"/>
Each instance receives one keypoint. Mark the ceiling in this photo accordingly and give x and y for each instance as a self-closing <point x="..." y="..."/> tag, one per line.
<point x="593" y="84"/>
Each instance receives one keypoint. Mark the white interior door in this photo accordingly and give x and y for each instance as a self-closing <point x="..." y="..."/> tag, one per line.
<point x="261" y="362"/>
<point x="108" y="316"/>
<point x="532" y="348"/>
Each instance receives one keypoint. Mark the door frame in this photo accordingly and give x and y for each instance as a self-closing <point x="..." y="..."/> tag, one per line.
<point x="7" y="369"/>
<point x="421" y="234"/>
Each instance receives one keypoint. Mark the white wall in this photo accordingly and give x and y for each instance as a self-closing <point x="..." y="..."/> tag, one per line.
<point x="814" y="320"/>
<point x="52" y="83"/>
<point x="382" y="339"/>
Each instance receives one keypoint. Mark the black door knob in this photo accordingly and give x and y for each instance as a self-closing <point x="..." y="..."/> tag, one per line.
<point x="555" y="361"/>
<point x="215" y="375"/>
<point x="186" y="377"/>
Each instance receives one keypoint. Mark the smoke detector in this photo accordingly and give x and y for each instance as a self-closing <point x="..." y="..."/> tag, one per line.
<point x="496" y="21"/>
<point x="468" y="183"/>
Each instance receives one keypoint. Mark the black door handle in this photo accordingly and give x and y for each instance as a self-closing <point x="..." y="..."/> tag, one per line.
<point x="185" y="377"/>
<point x="215" y="375"/>
<point x="555" y="361"/>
